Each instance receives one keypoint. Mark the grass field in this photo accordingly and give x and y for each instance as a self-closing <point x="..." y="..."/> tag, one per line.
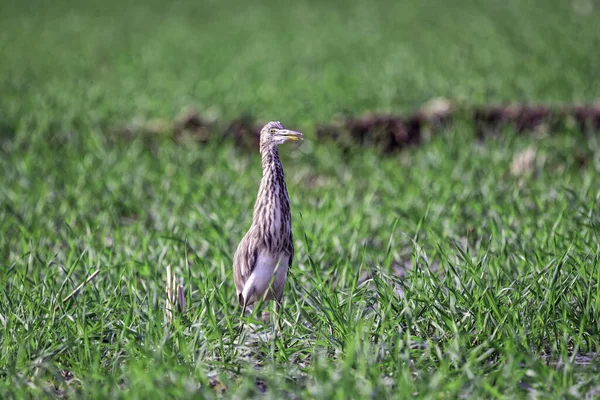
<point x="433" y="272"/>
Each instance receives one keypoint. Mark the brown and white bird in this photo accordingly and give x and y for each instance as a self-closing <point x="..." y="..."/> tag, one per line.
<point x="265" y="253"/>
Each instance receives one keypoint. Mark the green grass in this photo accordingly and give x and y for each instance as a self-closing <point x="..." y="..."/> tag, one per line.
<point x="503" y="297"/>
<point x="517" y="283"/>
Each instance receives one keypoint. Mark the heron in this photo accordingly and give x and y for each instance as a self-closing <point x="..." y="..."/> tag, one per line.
<point x="264" y="255"/>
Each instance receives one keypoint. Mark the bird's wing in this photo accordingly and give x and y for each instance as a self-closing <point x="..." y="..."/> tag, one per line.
<point x="244" y="260"/>
<point x="291" y="250"/>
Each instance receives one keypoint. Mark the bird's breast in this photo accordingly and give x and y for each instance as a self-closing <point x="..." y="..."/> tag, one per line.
<point x="261" y="276"/>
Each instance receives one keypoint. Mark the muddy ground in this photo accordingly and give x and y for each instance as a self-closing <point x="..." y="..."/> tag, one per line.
<point x="390" y="133"/>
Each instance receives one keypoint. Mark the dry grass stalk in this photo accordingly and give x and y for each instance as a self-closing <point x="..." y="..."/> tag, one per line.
<point x="175" y="294"/>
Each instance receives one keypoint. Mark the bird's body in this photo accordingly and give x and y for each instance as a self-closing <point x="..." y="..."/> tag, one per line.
<point x="265" y="253"/>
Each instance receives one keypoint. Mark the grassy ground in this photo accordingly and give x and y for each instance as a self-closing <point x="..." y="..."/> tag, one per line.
<point x="502" y="296"/>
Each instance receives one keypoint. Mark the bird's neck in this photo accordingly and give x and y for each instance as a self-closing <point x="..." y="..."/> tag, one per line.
<point x="271" y="164"/>
<point x="272" y="185"/>
<point x="272" y="208"/>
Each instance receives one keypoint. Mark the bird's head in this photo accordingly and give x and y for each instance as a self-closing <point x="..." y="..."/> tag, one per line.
<point x="273" y="134"/>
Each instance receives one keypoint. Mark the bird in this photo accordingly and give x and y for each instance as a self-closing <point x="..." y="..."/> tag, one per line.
<point x="264" y="254"/>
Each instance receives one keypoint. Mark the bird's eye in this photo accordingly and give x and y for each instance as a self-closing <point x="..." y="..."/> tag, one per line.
<point x="272" y="131"/>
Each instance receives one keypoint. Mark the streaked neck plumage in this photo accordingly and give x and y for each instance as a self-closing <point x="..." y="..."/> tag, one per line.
<point x="272" y="207"/>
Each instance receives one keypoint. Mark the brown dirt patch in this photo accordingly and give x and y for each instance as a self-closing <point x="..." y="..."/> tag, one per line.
<point x="388" y="133"/>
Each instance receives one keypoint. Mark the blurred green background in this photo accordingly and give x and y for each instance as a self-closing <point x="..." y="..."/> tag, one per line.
<point x="96" y="64"/>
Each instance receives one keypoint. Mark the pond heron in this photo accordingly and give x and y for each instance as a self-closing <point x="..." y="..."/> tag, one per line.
<point x="264" y="255"/>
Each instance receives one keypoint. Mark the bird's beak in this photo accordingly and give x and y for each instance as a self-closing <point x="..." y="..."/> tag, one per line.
<point x="290" y="135"/>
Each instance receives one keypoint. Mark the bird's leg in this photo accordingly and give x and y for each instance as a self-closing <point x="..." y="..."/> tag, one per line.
<point x="278" y="320"/>
<point x="278" y="315"/>
<point x="277" y="298"/>
<point x="245" y="303"/>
